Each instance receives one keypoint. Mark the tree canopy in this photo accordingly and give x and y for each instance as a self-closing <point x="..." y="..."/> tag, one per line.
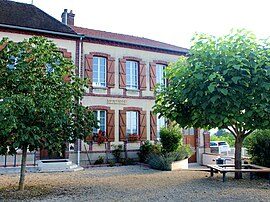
<point x="223" y="83"/>
<point x="39" y="98"/>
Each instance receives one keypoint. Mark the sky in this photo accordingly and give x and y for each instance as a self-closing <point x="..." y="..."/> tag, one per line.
<point x="169" y="21"/>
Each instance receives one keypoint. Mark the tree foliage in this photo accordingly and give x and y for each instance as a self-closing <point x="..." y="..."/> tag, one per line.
<point x="259" y="147"/>
<point x="224" y="83"/>
<point x="39" y="98"/>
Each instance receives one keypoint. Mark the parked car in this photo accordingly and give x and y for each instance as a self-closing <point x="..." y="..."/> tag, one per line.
<point x="222" y="146"/>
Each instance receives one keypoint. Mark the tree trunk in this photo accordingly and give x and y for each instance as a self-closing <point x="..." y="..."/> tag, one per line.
<point x="237" y="155"/>
<point x="23" y="167"/>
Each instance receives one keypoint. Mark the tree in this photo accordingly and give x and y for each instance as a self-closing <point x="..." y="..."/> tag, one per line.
<point x="223" y="83"/>
<point x="39" y="99"/>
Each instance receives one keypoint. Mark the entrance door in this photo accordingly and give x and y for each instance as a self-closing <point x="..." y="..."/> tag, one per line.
<point x="190" y="137"/>
<point x="44" y="154"/>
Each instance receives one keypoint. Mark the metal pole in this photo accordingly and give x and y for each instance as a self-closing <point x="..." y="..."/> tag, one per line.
<point x="78" y="152"/>
<point x="15" y="160"/>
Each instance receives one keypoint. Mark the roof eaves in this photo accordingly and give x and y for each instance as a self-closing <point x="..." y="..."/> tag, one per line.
<point x="39" y="30"/>
<point x="136" y="44"/>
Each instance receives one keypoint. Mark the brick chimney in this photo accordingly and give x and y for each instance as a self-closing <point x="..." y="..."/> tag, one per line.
<point x="68" y="18"/>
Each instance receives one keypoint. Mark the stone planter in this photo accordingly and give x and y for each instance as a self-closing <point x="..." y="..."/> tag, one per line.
<point x="179" y="165"/>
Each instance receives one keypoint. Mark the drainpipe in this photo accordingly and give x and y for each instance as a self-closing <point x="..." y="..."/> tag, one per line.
<point x="79" y="72"/>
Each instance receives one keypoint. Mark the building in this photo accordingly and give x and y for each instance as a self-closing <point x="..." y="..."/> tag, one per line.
<point x="123" y="70"/>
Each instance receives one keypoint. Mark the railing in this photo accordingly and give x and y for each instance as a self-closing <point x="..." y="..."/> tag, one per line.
<point x="15" y="160"/>
<point x="231" y="152"/>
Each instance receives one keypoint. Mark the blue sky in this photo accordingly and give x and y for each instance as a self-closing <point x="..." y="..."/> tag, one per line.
<point x="170" y="21"/>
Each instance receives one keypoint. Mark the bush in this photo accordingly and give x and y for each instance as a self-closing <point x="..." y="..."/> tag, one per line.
<point x="100" y="160"/>
<point x="146" y="149"/>
<point x="163" y="161"/>
<point x="170" y="138"/>
<point x="117" y="150"/>
<point x="259" y="147"/>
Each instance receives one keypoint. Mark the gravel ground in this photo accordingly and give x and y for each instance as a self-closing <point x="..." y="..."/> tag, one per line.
<point x="132" y="183"/>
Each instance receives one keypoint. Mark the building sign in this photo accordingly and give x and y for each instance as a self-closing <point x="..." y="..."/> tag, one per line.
<point x="117" y="102"/>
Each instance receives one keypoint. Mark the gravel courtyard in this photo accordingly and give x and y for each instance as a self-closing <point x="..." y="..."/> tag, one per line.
<point x="132" y="183"/>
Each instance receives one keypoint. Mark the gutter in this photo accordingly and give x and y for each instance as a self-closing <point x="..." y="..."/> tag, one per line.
<point x="39" y="30"/>
<point x="136" y="44"/>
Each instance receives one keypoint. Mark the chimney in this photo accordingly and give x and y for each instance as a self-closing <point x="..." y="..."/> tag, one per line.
<point x="64" y="16"/>
<point x="68" y="18"/>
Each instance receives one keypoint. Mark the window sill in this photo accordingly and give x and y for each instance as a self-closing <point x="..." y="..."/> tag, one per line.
<point x="100" y="87"/>
<point x="133" y="90"/>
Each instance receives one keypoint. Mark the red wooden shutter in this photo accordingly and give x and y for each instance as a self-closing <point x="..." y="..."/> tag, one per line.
<point x="88" y="67"/>
<point x="143" y="132"/>
<point x="110" y="73"/>
<point x="110" y="125"/>
<point x="122" y="73"/>
<point x="153" y="126"/>
<point x="122" y="125"/>
<point x="142" y="76"/>
<point x="152" y="75"/>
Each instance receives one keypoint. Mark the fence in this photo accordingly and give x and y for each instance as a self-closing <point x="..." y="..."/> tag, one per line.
<point x="15" y="160"/>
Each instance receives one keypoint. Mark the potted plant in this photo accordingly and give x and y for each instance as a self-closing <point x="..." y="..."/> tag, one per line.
<point x="100" y="137"/>
<point x="133" y="137"/>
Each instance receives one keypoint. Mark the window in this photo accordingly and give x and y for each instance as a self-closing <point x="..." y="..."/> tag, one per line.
<point x="160" y="75"/>
<point x="132" y="122"/>
<point x="161" y="122"/>
<point x="132" y="75"/>
<point x="101" y="117"/>
<point x="99" y="71"/>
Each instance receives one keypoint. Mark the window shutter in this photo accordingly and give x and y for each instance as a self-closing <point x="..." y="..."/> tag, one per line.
<point x="110" y="72"/>
<point x="153" y="126"/>
<point x="142" y="76"/>
<point x="152" y="75"/>
<point x="110" y="125"/>
<point x="122" y="125"/>
<point x="142" y="123"/>
<point x="122" y="73"/>
<point x="89" y="68"/>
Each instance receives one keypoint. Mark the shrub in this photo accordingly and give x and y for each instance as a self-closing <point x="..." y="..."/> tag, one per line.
<point x="170" y="138"/>
<point x="117" y="150"/>
<point x="259" y="147"/>
<point x="146" y="149"/>
<point x="100" y="160"/>
<point x="163" y="161"/>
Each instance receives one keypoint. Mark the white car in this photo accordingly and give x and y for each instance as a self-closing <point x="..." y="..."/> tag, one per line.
<point x="222" y="146"/>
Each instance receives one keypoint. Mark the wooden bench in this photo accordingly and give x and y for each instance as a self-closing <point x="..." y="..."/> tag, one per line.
<point x="251" y="168"/>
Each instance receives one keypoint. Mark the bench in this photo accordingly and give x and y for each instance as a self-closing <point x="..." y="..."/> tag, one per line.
<point x="251" y="168"/>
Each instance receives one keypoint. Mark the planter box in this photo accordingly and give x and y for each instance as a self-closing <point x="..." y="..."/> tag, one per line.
<point x="179" y="165"/>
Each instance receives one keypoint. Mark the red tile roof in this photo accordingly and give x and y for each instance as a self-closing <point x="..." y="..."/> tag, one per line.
<point x="133" y="40"/>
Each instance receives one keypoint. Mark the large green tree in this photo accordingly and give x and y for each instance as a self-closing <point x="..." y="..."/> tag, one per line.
<point x="224" y="83"/>
<point x="39" y="99"/>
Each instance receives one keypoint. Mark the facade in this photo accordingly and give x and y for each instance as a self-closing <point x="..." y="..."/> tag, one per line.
<point x="123" y="71"/>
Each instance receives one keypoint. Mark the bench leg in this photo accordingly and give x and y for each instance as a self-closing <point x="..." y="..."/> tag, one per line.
<point x="212" y="172"/>
<point x="224" y="176"/>
<point x="269" y="177"/>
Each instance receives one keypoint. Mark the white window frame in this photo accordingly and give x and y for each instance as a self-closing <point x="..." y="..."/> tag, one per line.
<point x="161" y="122"/>
<point x="132" y="75"/>
<point x="160" y="75"/>
<point x="132" y="116"/>
<point x="98" y="113"/>
<point x="96" y="82"/>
